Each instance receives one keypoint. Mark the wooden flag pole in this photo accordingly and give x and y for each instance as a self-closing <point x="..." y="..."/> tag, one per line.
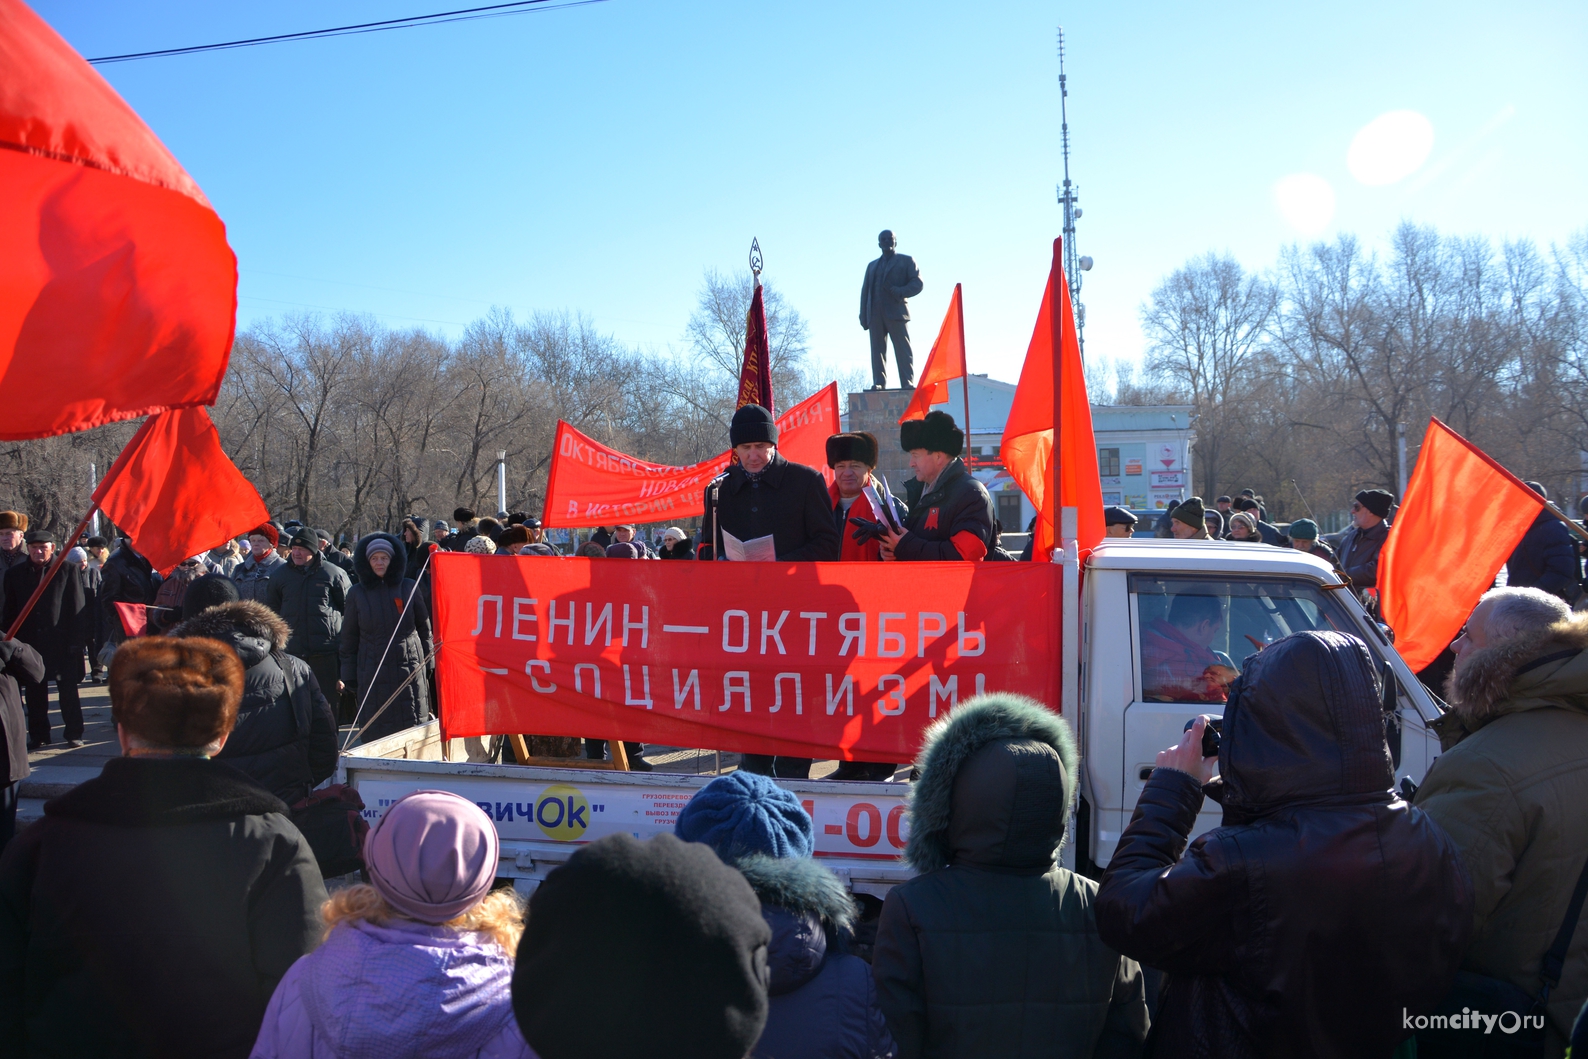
<point x="1056" y="336"/>
<point x="49" y="575"/>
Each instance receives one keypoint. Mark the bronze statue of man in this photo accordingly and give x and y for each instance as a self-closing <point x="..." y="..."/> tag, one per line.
<point x="890" y="279"/>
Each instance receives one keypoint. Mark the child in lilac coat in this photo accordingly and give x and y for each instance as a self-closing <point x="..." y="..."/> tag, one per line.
<point x="418" y="964"/>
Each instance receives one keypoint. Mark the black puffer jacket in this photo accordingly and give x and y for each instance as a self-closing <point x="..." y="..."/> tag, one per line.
<point x="152" y="912"/>
<point x="1325" y="908"/>
<point x="311" y="599"/>
<point x="821" y="1003"/>
<point x="788" y="501"/>
<point x="993" y="950"/>
<point x="381" y="611"/>
<point x="1359" y="552"/>
<point x="126" y="577"/>
<point x="285" y="738"/>
<point x="952" y="522"/>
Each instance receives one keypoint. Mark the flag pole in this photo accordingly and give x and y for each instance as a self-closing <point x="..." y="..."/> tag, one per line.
<point x="49" y="575"/>
<point x="964" y="382"/>
<point x="1056" y="337"/>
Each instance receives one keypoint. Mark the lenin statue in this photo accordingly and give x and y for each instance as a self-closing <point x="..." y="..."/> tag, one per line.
<point x="890" y="279"/>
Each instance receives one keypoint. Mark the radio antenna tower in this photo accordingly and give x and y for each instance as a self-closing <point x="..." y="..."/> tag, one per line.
<point x="1074" y="265"/>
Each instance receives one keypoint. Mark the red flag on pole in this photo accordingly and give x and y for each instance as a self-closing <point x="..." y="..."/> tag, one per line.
<point x="1052" y="394"/>
<point x="755" y="377"/>
<point x="175" y="493"/>
<point x="110" y="254"/>
<point x="1462" y="517"/>
<point x="945" y="362"/>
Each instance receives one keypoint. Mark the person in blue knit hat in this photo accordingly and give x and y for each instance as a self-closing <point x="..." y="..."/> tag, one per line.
<point x="823" y="1001"/>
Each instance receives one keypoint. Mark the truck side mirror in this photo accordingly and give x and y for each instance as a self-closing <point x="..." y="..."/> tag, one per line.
<point x="1389" y="633"/>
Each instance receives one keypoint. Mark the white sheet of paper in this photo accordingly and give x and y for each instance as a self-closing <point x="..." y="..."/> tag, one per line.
<point x="760" y="550"/>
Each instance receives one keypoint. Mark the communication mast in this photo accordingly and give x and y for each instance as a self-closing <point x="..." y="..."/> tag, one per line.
<point x="1074" y="264"/>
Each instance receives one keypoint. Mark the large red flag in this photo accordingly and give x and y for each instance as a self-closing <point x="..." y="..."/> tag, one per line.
<point x="945" y="362"/>
<point x="755" y="377"/>
<point x="1052" y="393"/>
<point x="175" y="493"/>
<point x="118" y="293"/>
<point x="1462" y="516"/>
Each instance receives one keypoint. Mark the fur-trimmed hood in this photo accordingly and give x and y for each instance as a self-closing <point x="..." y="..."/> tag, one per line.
<point x="1015" y="722"/>
<point x="252" y="629"/>
<point x="394" y="572"/>
<point x="809" y="910"/>
<point x="1540" y="667"/>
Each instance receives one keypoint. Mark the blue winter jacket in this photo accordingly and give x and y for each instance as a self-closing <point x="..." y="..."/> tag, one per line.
<point x="1546" y="559"/>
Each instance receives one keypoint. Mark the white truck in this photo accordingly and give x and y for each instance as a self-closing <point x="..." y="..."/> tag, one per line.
<point x="1119" y="691"/>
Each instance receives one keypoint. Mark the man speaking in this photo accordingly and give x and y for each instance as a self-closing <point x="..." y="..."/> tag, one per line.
<point x="953" y="520"/>
<point x="762" y="495"/>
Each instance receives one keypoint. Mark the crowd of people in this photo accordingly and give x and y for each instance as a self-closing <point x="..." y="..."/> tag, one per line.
<point x="1332" y="914"/>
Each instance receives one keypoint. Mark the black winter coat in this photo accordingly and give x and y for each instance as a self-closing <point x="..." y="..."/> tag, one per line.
<point x="994" y="950"/>
<point x="376" y="609"/>
<point x="788" y="501"/>
<point x="126" y="577"/>
<point x="18" y="662"/>
<point x="1324" y="909"/>
<point x="311" y="598"/>
<point x="59" y="626"/>
<point x="821" y="1003"/>
<point x="957" y="504"/>
<point x="1359" y="550"/>
<point x="1546" y="558"/>
<point x="151" y="913"/>
<point x="285" y="737"/>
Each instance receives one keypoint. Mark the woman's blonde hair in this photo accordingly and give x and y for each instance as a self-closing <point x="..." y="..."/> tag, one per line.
<point x="499" y="915"/>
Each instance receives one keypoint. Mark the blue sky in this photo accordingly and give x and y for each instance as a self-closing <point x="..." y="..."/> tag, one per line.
<point x="598" y="159"/>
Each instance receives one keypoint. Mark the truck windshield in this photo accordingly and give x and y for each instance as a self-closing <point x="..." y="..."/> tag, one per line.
<point x="1195" y="632"/>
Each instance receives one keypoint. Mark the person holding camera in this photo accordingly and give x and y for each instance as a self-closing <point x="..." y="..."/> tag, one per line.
<point x="1326" y="909"/>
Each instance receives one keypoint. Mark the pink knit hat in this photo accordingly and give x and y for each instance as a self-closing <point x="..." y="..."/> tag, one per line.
<point x="433" y="856"/>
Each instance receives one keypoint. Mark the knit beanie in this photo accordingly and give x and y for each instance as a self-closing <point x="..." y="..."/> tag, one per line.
<point x="379" y="544"/>
<point x="208" y="591"/>
<point x="304" y="538"/>
<point x="1378" y="501"/>
<point x="267" y="531"/>
<point x="752" y="423"/>
<point x="480" y="545"/>
<point x="1190" y="511"/>
<point x="659" y="942"/>
<point x="743" y="813"/>
<point x="1304" y="529"/>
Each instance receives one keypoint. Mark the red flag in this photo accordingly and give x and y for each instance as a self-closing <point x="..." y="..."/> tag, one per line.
<point x="755" y="377"/>
<point x="134" y="617"/>
<point x="175" y="493"/>
<point x="111" y="258"/>
<point x="1052" y="392"/>
<point x="945" y="362"/>
<point x="1462" y="517"/>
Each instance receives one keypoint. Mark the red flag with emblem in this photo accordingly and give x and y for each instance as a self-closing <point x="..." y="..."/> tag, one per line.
<point x="755" y="376"/>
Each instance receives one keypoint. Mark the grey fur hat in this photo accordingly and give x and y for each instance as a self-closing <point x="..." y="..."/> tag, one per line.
<point x="951" y="741"/>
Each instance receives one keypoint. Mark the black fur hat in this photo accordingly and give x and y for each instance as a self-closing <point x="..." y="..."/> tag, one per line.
<point x="936" y="433"/>
<point x="857" y="446"/>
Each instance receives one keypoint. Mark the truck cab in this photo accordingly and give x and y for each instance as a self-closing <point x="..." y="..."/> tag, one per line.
<point x="1147" y="606"/>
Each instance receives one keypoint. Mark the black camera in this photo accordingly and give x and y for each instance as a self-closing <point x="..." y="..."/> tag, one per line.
<point x="1212" y="735"/>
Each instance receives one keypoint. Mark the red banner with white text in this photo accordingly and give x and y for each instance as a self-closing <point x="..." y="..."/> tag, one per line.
<point x="824" y="660"/>
<point x="591" y="484"/>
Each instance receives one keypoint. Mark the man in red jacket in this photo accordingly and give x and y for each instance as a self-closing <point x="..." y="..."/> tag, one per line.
<point x="853" y="458"/>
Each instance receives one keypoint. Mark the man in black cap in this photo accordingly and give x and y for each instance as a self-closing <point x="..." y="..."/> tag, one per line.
<point x="332" y="555"/>
<point x="57" y="629"/>
<point x="953" y="520"/>
<point x="1360" y="546"/>
<point x="309" y="594"/>
<point x="1117" y="522"/>
<point x="762" y="495"/>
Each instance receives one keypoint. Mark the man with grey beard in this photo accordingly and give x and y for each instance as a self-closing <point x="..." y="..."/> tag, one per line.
<point x="1511" y="786"/>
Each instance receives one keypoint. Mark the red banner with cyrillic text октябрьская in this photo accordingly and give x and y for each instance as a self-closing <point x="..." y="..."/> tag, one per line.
<point x="824" y="660"/>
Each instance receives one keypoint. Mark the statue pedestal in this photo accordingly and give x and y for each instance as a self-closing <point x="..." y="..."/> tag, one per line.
<point x="877" y="412"/>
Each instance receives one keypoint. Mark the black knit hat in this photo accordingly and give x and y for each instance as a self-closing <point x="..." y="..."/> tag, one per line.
<point x="664" y="939"/>
<point x="752" y="423"/>
<point x="1378" y="501"/>
<point x="208" y="591"/>
<point x="304" y="538"/>
<point x="857" y="446"/>
<point x="936" y="433"/>
<point x="1191" y="512"/>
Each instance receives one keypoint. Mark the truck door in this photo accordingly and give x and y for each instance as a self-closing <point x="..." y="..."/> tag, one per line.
<point x="1190" y="634"/>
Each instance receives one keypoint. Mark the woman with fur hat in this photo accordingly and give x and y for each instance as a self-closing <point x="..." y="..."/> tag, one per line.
<point x="384" y="609"/>
<point x="822" y="1003"/>
<point x="419" y="961"/>
<point x="285" y="736"/>
<point x="993" y="948"/>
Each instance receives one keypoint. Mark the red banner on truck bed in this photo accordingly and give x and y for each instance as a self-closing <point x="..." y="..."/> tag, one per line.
<point x="824" y="660"/>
